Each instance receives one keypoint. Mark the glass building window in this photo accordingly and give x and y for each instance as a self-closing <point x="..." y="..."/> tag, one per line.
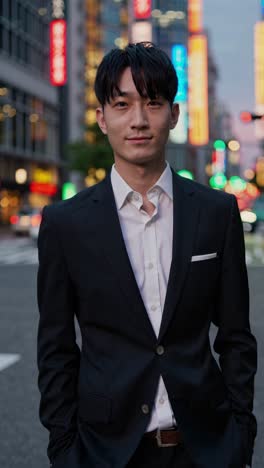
<point x="25" y="34"/>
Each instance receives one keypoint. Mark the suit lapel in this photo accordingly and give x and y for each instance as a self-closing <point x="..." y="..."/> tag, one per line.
<point x="112" y="243"/>
<point x="185" y="222"/>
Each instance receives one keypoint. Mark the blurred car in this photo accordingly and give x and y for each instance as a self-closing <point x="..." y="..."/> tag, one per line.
<point x="21" y="222"/>
<point x="249" y="220"/>
<point x="253" y="218"/>
<point x="34" y="225"/>
<point x="258" y="209"/>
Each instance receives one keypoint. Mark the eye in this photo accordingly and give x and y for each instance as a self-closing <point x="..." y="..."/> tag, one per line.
<point x="120" y="104"/>
<point x="155" y="103"/>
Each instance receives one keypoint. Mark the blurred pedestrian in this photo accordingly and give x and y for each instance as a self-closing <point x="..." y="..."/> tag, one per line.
<point x="145" y="261"/>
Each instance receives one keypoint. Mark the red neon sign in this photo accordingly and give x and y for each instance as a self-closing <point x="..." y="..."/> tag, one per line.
<point x="58" y="52"/>
<point x="44" y="189"/>
<point x="142" y="9"/>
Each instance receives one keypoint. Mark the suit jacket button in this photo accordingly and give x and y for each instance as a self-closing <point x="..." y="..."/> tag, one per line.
<point x="160" y="350"/>
<point x="145" y="409"/>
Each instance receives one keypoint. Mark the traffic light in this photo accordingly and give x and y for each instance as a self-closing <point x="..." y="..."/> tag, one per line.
<point x="218" y="180"/>
<point x="219" y="145"/>
<point x="246" y="116"/>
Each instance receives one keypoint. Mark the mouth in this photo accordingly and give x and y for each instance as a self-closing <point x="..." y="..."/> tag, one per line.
<point x="139" y="139"/>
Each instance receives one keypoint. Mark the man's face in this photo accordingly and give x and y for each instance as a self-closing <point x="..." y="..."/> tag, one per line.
<point x="137" y="127"/>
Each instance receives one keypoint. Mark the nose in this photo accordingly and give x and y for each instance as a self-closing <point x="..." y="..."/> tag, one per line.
<point x="139" y="118"/>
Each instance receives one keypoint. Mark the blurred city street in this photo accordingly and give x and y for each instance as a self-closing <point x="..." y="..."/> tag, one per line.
<point x="23" y="441"/>
<point x="51" y="148"/>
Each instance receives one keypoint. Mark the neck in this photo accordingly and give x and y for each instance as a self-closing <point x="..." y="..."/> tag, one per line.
<point x="140" y="178"/>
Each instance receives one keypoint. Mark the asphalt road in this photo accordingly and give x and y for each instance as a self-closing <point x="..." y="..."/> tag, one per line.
<point x="23" y="441"/>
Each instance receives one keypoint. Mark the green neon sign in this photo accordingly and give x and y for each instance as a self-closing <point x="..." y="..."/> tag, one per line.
<point x="68" y="190"/>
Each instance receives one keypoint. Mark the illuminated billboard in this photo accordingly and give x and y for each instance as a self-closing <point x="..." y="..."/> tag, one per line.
<point x="179" y="134"/>
<point x="142" y="9"/>
<point x="58" y="52"/>
<point x="259" y="77"/>
<point x="179" y="60"/>
<point x="44" y="189"/>
<point x="259" y="62"/>
<point x="141" y="31"/>
<point x="198" y="90"/>
<point x="195" y="16"/>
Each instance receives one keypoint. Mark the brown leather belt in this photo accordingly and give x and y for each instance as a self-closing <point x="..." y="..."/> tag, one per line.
<point x="165" y="438"/>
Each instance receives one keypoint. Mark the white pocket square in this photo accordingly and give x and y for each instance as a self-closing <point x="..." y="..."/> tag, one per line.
<point x="198" y="258"/>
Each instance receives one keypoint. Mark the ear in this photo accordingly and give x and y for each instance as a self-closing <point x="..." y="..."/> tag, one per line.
<point x="101" y="120"/>
<point x="175" y="112"/>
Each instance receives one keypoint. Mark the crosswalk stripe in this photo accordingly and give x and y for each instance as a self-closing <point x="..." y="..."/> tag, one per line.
<point x="7" y="360"/>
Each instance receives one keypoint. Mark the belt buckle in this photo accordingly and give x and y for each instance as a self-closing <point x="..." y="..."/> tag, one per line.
<point x="159" y="441"/>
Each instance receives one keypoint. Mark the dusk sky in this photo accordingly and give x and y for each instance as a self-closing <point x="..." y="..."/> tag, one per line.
<point x="231" y="27"/>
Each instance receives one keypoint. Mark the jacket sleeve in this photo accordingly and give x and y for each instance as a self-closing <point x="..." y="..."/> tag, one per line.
<point x="234" y="341"/>
<point x="58" y="353"/>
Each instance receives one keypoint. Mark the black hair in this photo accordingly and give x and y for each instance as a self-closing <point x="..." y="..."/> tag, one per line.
<point x="152" y="71"/>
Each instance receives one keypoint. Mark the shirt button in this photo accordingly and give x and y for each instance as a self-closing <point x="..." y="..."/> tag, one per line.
<point x="150" y="265"/>
<point x="136" y="197"/>
<point x="153" y="307"/>
<point x="160" y="350"/>
<point x="161" y="401"/>
<point x="145" y="409"/>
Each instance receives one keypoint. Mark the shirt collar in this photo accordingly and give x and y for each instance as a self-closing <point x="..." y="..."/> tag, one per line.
<point x="122" y="190"/>
<point x="165" y="182"/>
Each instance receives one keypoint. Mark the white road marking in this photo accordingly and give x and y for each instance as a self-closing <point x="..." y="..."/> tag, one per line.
<point x="7" y="360"/>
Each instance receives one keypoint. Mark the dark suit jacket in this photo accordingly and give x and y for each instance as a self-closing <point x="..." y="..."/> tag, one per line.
<point x="97" y="402"/>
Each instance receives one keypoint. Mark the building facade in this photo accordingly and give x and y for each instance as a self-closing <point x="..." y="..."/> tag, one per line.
<point x="94" y="27"/>
<point x="29" y="109"/>
<point x="106" y="28"/>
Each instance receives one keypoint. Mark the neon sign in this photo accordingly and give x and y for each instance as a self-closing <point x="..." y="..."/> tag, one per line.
<point x="58" y="57"/>
<point x="179" y="60"/>
<point x="198" y="90"/>
<point x="45" y="189"/>
<point x="195" y="19"/>
<point x="142" y="9"/>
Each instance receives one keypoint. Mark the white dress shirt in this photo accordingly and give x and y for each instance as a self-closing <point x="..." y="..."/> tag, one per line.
<point x="148" y="241"/>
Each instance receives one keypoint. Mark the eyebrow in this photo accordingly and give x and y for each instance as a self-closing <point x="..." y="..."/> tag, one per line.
<point x="122" y="94"/>
<point x="126" y="94"/>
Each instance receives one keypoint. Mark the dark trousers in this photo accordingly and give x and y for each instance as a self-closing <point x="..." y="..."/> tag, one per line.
<point x="149" y="455"/>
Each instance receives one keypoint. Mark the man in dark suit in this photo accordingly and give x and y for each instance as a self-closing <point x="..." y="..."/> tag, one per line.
<point x="145" y="261"/>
